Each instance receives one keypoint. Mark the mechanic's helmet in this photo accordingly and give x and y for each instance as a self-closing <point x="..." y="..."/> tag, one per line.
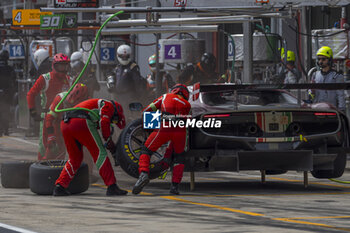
<point x="60" y="63"/>
<point x="40" y="56"/>
<point x="180" y="89"/>
<point x="78" y="94"/>
<point x="124" y="54"/>
<point x="118" y="116"/>
<point x="208" y="62"/>
<point x="290" y="56"/>
<point x="152" y="62"/>
<point x="76" y="61"/>
<point x="4" y="55"/>
<point x="325" y="51"/>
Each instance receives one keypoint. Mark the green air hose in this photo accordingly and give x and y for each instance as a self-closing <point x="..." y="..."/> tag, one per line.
<point x="340" y="181"/>
<point x="83" y="70"/>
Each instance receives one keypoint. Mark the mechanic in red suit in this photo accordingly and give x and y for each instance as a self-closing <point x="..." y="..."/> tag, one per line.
<point x="48" y="86"/>
<point x="52" y="136"/>
<point x="173" y="103"/>
<point x="80" y="128"/>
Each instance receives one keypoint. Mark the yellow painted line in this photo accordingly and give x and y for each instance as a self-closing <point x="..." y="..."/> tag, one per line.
<point x="320" y="217"/>
<point x="99" y="185"/>
<point x="289" y="180"/>
<point x="311" y="223"/>
<point x="265" y="195"/>
<point x="212" y="206"/>
<point x="104" y="186"/>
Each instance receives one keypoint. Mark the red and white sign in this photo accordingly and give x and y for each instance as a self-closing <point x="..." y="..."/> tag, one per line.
<point x="60" y="2"/>
<point x="180" y="3"/>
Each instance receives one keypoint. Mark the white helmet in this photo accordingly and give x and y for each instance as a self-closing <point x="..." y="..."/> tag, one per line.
<point x="40" y="55"/>
<point x="76" y="59"/>
<point x="123" y="54"/>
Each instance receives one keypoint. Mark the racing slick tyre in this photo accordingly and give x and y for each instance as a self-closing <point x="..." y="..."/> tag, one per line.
<point x="339" y="165"/>
<point x="43" y="175"/>
<point x="129" y="150"/>
<point x="15" y="174"/>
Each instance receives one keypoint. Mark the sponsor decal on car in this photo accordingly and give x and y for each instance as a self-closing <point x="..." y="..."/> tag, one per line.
<point x="273" y="122"/>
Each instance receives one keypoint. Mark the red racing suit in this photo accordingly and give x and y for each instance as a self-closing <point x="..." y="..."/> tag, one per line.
<point x="52" y="130"/>
<point x="80" y="131"/>
<point x="48" y="86"/>
<point x="168" y="104"/>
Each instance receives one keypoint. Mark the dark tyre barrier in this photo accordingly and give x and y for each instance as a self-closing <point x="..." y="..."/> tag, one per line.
<point x="43" y="175"/>
<point x="129" y="150"/>
<point x="15" y="174"/>
<point x="339" y="165"/>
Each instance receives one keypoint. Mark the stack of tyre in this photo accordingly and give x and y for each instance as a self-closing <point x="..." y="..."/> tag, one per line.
<point x="40" y="176"/>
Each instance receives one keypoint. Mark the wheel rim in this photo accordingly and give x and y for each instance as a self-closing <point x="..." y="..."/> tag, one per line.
<point x="53" y="163"/>
<point x="138" y="137"/>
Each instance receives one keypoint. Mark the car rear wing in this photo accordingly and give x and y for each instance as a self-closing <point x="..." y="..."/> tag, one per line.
<point x="232" y="87"/>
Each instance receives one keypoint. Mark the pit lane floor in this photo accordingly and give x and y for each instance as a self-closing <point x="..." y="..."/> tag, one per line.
<point x="221" y="202"/>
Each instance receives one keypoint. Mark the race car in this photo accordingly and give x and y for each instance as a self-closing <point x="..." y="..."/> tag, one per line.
<point x="260" y="129"/>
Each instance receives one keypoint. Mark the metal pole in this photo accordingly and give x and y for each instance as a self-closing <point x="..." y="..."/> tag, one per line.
<point x="157" y="29"/>
<point x="248" y="53"/>
<point x="177" y="21"/>
<point x="158" y="78"/>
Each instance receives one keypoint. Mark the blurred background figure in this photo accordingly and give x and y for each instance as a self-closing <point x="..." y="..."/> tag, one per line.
<point x="203" y="71"/>
<point x="48" y="85"/>
<point x="41" y="65"/>
<point x="7" y="91"/>
<point x="52" y="137"/>
<point x="88" y="78"/>
<point x="167" y="80"/>
<point x="288" y="73"/>
<point x="126" y="83"/>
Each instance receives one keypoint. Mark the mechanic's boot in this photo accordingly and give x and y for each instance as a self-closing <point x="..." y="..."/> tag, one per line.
<point x="59" y="190"/>
<point x="174" y="188"/>
<point x="140" y="183"/>
<point x="114" y="190"/>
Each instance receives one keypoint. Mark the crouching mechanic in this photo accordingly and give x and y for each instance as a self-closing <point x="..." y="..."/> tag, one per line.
<point x="173" y="103"/>
<point x="52" y="137"/>
<point x="79" y="128"/>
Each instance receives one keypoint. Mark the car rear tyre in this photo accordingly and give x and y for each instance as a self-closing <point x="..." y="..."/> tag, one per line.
<point x="275" y="172"/>
<point x="339" y="165"/>
<point x="15" y="174"/>
<point x="43" y="175"/>
<point x="129" y="150"/>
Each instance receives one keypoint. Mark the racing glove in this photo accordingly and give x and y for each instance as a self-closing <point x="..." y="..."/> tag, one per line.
<point x="110" y="145"/>
<point x="52" y="147"/>
<point x="33" y="113"/>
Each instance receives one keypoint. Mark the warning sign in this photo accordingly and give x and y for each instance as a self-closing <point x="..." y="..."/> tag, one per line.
<point x="27" y="17"/>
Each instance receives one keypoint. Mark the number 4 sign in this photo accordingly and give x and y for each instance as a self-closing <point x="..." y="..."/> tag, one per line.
<point x="172" y="51"/>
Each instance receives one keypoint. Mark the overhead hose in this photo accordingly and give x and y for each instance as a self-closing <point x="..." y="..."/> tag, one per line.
<point x="83" y="70"/>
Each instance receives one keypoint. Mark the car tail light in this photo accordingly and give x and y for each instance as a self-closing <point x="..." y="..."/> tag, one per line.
<point x="216" y="115"/>
<point x="325" y="114"/>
